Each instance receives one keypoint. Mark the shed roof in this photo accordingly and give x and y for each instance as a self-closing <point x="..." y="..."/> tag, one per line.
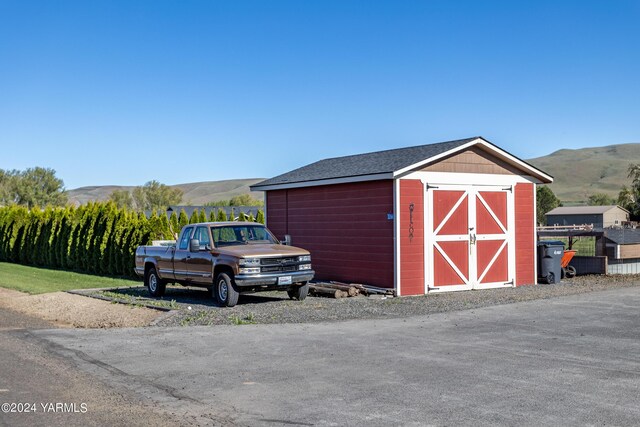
<point x="584" y="210"/>
<point x="387" y="164"/>
<point x="625" y="236"/>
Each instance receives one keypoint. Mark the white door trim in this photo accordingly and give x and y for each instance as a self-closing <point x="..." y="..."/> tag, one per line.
<point x="474" y="279"/>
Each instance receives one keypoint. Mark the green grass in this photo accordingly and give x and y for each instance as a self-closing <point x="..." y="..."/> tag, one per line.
<point x="40" y="280"/>
<point x="249" y="319"/>
<point x="585" y="245"/>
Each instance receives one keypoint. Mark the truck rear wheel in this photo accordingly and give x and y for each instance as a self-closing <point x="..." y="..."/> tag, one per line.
<point x="153" y="283"/>
<point x="299" y="292"/>
<point x="225" y="290"/>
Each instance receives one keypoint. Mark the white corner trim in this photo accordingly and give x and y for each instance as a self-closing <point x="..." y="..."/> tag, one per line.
<point x="535" y="234"/>
<point x="396" y="236"/>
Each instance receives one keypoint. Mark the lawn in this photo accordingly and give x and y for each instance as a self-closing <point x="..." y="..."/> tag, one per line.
<point x="40" y="280"/>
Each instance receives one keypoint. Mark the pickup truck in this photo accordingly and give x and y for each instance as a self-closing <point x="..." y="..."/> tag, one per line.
<point x="228" y="258"/>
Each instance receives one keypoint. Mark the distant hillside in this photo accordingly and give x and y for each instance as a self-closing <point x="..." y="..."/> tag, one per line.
<point x="196" y="193"/>
<point x="583" y="172"/>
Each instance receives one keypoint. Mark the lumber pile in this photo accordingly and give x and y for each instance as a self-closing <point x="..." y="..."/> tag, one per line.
<point x="344" y="290"/>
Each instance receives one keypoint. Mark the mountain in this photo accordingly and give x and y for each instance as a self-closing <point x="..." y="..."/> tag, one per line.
<point x="580" y="173"/>
<point x="196" y="193"/>
<point x="577" y="175"/>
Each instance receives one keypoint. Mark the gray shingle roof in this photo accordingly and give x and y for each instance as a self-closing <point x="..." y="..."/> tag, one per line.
<point x="582" y="210"/>
<point x="379" y="162"/>
<point x="623" y="237"/>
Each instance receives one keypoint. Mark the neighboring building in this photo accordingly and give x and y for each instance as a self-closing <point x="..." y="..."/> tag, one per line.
<point x="599" y="216"/>
<point x="623" y="251"/>
<point x="442" y="217"/>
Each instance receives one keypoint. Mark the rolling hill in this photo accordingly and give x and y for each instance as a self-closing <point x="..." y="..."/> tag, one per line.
<point x="196" y="193"/>
<point x="577" y="175"/>
<point x="586" y="171"/>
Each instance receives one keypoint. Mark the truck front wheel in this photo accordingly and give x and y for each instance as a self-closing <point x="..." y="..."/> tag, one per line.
<point x="299" y="292"/>
<point x="225" y="291"/>
<point x="153" y="283"/>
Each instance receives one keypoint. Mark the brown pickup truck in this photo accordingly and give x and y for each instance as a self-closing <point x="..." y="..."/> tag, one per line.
<point x="229" y="258"/>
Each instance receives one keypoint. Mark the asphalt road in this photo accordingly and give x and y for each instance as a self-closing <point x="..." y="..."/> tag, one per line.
<point x="573" y="360"/>
<point x="43" y="388"/>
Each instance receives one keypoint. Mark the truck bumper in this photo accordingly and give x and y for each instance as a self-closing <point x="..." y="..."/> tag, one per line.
<point x="274" y="279"/>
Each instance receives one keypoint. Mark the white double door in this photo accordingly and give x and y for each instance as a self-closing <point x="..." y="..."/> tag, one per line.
<point x="469" y="237"/>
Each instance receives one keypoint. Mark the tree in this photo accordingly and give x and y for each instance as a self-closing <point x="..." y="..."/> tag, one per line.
<point x="631" y="196"/>
<point x="154" y="195"/>
<point x="122" y="199"/>
<point x="627" y="199"/>
<point x="245" y="200"/>
<point x="241" y="200"/>
<point x="183" y="220"/>
<point x="260" y="216"/>
<point x="34" y="187"/>
<point x="5" y="187"/>
<point x="546" y="201"/>
<point x="600" y="199"/>
<point x="195" y="217"/>
<point x="174" y="225"/>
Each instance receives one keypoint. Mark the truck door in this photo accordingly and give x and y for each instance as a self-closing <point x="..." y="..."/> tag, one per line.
<point x="200" y="264"/>
<point x="182" y="255"/>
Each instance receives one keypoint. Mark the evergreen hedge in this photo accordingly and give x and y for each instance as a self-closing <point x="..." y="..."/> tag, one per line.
<point x="96" y="238"/>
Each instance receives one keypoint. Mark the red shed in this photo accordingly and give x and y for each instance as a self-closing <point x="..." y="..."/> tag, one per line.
<point x="449" y="216"/>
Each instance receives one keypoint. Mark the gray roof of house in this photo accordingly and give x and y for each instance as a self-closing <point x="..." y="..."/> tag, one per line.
<point x="583" y="210"/>
<point x="379" y="162"/>
<point x="207" y="209"/>
<point x="625" y="236"/>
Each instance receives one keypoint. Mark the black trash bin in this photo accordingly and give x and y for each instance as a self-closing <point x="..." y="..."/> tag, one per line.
<point x="550" y="260"/>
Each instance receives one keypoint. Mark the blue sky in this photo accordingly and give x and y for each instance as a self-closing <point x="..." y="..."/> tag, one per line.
<point x="123" y="92"/>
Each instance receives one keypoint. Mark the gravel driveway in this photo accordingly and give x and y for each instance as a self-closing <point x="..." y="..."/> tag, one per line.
<point x="194" y="306"/>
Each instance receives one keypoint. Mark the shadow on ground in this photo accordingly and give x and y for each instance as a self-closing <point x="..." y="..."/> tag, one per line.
<point x="196" y="296"/>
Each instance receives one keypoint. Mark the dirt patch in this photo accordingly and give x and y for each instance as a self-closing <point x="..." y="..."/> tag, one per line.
<point x="75" y="311"/>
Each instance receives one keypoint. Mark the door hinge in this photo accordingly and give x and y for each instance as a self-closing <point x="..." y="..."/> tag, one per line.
<point x="431" y="186"/>
<point x="511" y="283"/>
<point x="509" y="189"/>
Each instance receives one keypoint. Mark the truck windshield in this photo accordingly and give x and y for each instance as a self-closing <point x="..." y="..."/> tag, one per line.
<point x="241" y="235"/>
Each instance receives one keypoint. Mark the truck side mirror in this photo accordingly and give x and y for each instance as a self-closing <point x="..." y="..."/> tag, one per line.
<point x="194" y="245"/>
<point x="287" y="240"/>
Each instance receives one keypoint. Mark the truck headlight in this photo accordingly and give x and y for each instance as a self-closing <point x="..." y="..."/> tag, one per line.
<point x="253" y="270"/>
<point x="249" y="262"/>
<point x="304" y="267"/>
<point x="304" y="258"/>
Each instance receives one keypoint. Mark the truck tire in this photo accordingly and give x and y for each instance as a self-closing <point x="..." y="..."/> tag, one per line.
<point x="225" y="290"/>
<point x="299" y="292"/>
<point x="153" y="283"/>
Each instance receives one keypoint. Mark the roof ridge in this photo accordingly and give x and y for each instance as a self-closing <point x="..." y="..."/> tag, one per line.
<point x="401" y="148"/>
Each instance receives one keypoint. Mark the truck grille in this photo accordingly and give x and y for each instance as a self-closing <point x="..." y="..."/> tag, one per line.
<point x="275" y="265"/>
<point x="276" y="268"/>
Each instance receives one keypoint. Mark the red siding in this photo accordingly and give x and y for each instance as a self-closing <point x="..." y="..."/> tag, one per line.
<point x="344" y="226"/>
<point x="411" y="249"/>
<point x="525" y="234"/>
<point x="276" y="205"/>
